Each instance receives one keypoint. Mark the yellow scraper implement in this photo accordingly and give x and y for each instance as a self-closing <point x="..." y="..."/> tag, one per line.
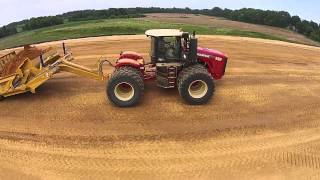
<point x="20" y="74"/>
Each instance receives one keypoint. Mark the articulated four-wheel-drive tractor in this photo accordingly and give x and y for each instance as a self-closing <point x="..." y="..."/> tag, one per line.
<point x="176" y="61"/>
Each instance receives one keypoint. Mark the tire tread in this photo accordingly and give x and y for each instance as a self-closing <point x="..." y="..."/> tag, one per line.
<point x="185" y="74"/>
<point x="128" y="72"/>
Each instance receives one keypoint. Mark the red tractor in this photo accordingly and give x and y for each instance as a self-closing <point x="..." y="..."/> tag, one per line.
<point x="176" y="61"/>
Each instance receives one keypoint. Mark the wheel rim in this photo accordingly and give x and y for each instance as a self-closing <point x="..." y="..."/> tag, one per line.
<point x="198" y="89"/>
<point x="124" y="91"/>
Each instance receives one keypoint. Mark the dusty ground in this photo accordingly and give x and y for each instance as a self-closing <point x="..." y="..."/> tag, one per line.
<point x="224" y="23"/>
<point x="263" y="122"/>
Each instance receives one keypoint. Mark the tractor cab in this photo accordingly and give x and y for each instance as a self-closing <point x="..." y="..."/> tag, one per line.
<point x="171" y="50"/>
<point x="172" y="45"/>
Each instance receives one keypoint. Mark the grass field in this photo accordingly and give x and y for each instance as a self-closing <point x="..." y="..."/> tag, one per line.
<point x="117" y="27"/>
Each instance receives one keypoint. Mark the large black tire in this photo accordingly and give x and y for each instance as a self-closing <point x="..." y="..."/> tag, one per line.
<point x="125" y="87"/>
<point x="195" y="85"/>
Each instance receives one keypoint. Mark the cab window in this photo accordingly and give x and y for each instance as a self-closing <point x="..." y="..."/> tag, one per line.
<point x="169" y="47"/>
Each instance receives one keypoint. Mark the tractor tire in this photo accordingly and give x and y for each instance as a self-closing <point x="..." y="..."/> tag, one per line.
<point x="195" y="85"/>
<point x="125" y="87"/>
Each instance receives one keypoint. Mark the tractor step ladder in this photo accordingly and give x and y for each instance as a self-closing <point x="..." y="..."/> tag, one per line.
<point x="172" y="76"/>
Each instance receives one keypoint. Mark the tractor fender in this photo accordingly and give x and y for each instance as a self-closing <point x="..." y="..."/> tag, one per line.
<point x="130" y="55"/>
<point x="128" y="62"/>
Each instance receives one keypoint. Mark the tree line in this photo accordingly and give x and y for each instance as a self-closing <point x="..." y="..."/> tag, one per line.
<point x="40" y="22"/>
<point x="280" y="19"/>
<point x="101" y="14"/>
<point x="7" y="31"/>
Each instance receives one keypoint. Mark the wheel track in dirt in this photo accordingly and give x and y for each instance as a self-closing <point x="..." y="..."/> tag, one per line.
<point x="227" y="154"/>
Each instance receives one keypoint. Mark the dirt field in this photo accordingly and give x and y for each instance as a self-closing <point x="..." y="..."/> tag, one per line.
<point x="224" y="23"/>
<point x="263" y="122"/>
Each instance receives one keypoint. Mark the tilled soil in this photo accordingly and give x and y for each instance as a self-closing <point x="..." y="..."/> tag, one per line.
<point x="263" y="122"/>
<point x="218" y="22"/>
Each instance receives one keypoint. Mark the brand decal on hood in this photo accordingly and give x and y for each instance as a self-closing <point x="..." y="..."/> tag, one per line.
<point x="204" y="55"/>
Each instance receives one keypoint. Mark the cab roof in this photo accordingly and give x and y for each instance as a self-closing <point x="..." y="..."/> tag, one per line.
<point x="164" y="32"/>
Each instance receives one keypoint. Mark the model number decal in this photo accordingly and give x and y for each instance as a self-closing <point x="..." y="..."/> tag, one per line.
<point x="219" y="59"/>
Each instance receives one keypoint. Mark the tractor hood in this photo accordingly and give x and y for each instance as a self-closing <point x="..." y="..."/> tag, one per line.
<point x="215" y="60"/>
<point x="208" y="53"/>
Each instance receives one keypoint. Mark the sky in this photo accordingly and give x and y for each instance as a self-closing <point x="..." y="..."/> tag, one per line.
<point x="16" y="10"/>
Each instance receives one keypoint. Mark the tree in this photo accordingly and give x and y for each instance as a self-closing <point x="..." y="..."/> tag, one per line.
<point x="314" y="25"/>
<point x="216" y="11"/>
<point x="295" y="20"/>
<point x="7" y="30"/>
